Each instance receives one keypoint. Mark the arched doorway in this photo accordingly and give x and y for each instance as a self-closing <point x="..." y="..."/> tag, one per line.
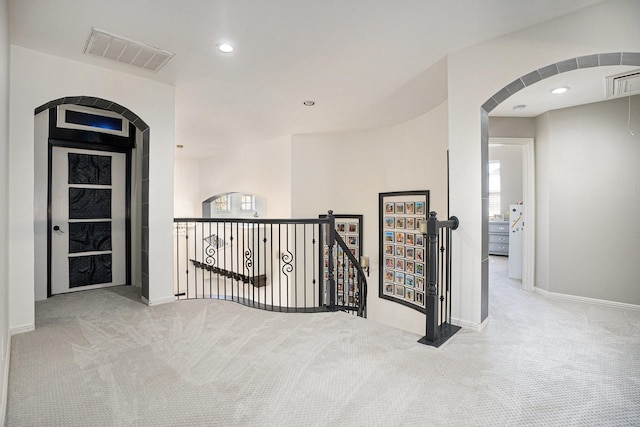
<point x="588" y="61"/>
<point x="141" y="141"/>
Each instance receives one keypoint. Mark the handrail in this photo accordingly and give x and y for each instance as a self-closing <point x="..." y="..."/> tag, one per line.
<point x="256" y="220"/>
<point x="362" y="303"/>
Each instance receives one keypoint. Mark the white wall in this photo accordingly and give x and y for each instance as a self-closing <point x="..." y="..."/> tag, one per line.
<point x="263" y="169"/>
<point x="37" y="78"/>
<point x="591" y="217"/>
<point x="510" y="158"/>
<point x="475" y="74"/>
<point x="4" y="207"/>
<point x="186" y="196"/>
<point x="346" y="172"/>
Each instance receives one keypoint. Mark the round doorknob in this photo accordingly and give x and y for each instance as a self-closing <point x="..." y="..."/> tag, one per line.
<point x="57" y="228"/>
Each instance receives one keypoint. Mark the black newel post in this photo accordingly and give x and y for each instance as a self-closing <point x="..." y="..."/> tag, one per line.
<point x="432" y="278"/>
<point x="331" y="235"/>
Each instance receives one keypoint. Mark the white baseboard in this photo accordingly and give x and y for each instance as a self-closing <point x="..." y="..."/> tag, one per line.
<point x="566" y="297"/>
<point x="5" y="384"/>
<point x="159" y="301"/>
<point x="22" y="329"/>
<point x="477" y="327"/>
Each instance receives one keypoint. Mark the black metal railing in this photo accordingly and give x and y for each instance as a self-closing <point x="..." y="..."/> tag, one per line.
<point x="269" y="264"/>
<point x="438" y="293"/>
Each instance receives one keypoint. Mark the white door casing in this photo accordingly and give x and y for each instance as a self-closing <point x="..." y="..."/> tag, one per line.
<point x="60" y="189"/>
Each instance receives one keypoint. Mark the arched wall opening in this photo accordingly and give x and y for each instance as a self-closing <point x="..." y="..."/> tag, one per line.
<point x="142" y="145"/>
<point x="588" y="61"/>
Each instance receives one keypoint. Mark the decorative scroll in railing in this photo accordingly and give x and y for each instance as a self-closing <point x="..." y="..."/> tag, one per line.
<point x="438" y="296"/>
<point x="263" y="263"/>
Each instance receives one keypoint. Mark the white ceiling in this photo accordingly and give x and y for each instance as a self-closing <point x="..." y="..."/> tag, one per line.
<point x="366" y="63"/>
<point x="585" y="85"/>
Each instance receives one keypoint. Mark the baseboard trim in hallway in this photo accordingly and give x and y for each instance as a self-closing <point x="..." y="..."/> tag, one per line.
<point x="576" y="298"/>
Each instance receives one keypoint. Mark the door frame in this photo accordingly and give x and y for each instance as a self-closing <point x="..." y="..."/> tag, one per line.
<point x="529" y="207"/>
<point x="95" y="141"/>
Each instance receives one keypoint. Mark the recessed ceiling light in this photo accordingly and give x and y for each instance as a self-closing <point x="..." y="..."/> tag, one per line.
<point x="559" y="90"/>
<point x="519" y="107"/>
<point x="224" y="47"/>
<point x="309" y="103"/>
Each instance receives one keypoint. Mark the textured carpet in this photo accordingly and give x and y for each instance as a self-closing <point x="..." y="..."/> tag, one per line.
<point x="101" y="358"/>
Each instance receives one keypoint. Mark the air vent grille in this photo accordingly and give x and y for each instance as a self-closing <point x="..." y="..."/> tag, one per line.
<point x="625" y="84"/>
<point x="120" y="49"/>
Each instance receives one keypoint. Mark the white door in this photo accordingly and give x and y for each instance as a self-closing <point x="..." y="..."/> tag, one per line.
<point x="88" y="219"/>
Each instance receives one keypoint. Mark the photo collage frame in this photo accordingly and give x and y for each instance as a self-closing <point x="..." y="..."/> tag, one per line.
<point x="349" y="228"/>
<point x="402" y="247"/>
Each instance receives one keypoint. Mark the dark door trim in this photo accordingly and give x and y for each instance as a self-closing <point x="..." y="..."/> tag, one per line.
<point x="96" y="141"/>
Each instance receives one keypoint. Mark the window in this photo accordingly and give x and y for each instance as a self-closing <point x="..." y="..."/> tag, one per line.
<point x="222" y="203"/>
<point x="494" y="188"/>
<point x="247" y="202"/>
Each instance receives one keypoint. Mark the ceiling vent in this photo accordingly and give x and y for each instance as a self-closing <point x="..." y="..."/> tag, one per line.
<point x="120" y="49"/>
<point x="625" y="84"/>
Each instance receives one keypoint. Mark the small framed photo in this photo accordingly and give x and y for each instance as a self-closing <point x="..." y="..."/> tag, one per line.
<point x="389" y="263"/>
<point x="388" y="275"/>
<point x="400" y="208"/>
<point x="419" y="240"/>
<point x="400" y="251"/>
<point x="410" y="239"/>
<point x="389" y="222"/>
<point x="419" y="222"/>
<point x="340" y="286"/>
<point x="409" y="280"/>
<point x="410" y="267"/>
<point x="419" y="254"/>
<point x="420" y="283"/>
<point x="389" y="237"/>
<point x="409" y="253"/>
<point x="409" y="295"/>
<point x="352" y="240"/>
<point x="389" y="208"/>
<point x="388" y="288"/>
<point x="409" y="208"/>
<point x="399" y="237"/>
<point x="354" y="251"/>
<point x="420" y="210"/>
<point x="420" y="298"/>
<point x="399" y="277"/>
<point x="410" y="223"/>
<point x="399" y="264"/>
<point x="420" y="268"/>
<point x="400" y="222"/>
<point x="353" y="227"/>
<point x="340" y="299"/>
<point x="400" y="291"/>
<point x="389" y="249"/>
<point x="341" y="227"/>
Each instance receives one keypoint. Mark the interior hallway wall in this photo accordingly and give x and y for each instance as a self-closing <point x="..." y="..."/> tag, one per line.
<point x="186" y="193"/>
<point x="476" y="74"/>
<point x="346" y="172"/>
<point x="37" y="78"/>
<point x="510" y="158"/>
<point x="589" y="181"/>
<point x="4" y="207"/>
<point x="263" y="169"/>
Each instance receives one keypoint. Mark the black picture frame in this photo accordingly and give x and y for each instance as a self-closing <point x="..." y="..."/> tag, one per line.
<point x="400" y="283"/>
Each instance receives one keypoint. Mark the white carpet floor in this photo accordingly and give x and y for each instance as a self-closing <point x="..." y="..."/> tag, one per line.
<point x="101" y="358"/>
